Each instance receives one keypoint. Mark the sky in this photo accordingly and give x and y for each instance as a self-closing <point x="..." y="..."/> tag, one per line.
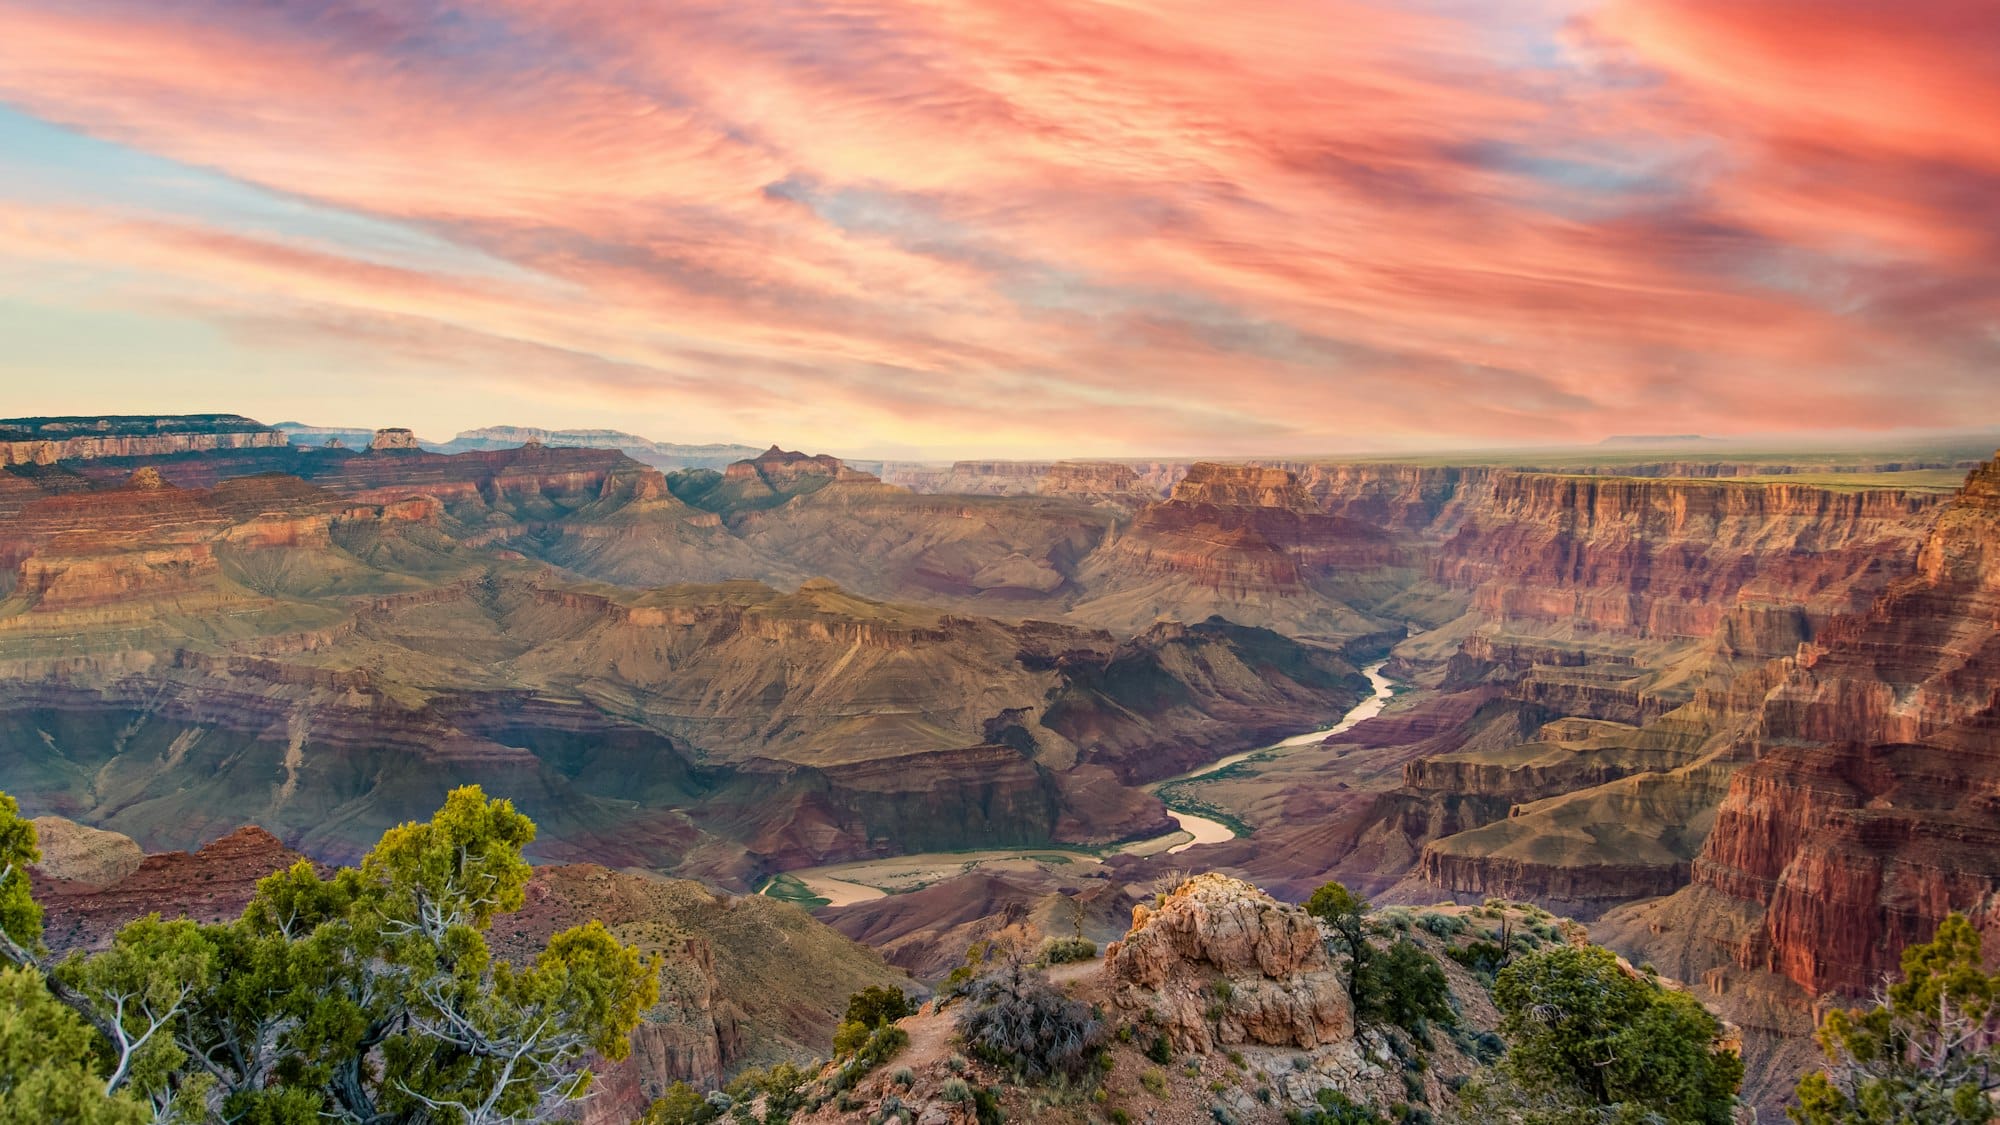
<point x="1008" y="227"/>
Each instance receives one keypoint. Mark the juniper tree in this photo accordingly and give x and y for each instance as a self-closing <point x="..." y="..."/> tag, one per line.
<point x="367" y="996"/>
<point x="1927" y="1051"/>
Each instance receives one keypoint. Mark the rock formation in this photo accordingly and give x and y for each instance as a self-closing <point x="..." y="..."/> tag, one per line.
<point x="212" y="884"/>
<point x="1669" y="559"/>
<point x="87" y="857"/>
<point x="784" y="470"/>
<point x="393" y="439"/>
<point x="1097" y="480"/>
<point x="1219" y="962"/>
<point x="46" y="441"/>
<point x="1247" y="543"/>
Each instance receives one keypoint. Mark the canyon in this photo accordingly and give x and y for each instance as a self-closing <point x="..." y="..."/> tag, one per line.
<point x="1737" y="713"/>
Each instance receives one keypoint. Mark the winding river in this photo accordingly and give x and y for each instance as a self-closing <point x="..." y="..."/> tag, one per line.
<point x="843" y="883"/>
<point x="1209" y="831"/>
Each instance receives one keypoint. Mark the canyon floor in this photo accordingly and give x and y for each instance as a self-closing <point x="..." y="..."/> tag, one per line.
<point x="1738" y="711"/>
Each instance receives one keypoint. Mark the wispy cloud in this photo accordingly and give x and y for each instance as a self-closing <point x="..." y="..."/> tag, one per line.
<point x="1040" y="226"/>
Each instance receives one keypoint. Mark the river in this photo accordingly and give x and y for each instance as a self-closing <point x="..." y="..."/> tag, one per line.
<point x="857" y="881"/>
<point x="1206" y="830"/>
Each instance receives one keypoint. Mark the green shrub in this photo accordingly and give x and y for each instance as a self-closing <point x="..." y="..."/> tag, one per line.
<point x="850" y="1037"/>
<point x="747" y="1084"/>
<point x="986" y="1106"/>
<point x="875" y="1005"/>
<point x="882" y="1045"/>
<point x="1345" y="913"/>
<point x="890" y="1109"/>
<point x="1335" y="1108"/>
<point x="1015" y="1018"/>
<point x="323" y="999"/>
<point x="1154" y="1082"/>
<point x="1159" y="1050"/>
<point x="1587" y="1033"/>
<point x="1065" y="950"/>
<point x="1483" y="957"/>
<point x="1913" y="1056"/>
<point x="956" y="1091"/>
<point x="1404" y="986"/>
<point x="784" y="1087"/>
<point x="959" y="979"/>
<point x="682" y="1104"/>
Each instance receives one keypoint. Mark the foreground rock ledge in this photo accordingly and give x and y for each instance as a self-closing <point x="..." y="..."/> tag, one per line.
<point x="1220" y="962"/>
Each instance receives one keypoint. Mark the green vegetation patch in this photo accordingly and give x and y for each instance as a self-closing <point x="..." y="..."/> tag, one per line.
<point x="787" y="888"/>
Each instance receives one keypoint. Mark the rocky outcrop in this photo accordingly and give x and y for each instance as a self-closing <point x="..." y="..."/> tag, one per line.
<point x="212" y="884"/>
<point x="1871" y="811"/>
<point x="1219" y="962"/>
<point x="393" y="439"/>
<point x="87" y="857"/>
<point x="785" y="470"/>
<point x="1242" y="486"/>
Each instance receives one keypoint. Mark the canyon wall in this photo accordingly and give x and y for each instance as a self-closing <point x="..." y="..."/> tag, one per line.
<point x="1871" y="810"/>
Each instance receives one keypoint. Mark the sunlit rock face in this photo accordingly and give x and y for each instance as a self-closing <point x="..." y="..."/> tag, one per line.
<point x="1217" y="942"/>
<point x="1873" y="807"/>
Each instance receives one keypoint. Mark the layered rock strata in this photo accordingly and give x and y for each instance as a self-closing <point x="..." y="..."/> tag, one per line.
<point x="1873" y="806"/>
<point x="46" y="441"/>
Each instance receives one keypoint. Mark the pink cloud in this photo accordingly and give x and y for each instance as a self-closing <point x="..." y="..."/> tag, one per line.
<point x="1120" y="228"/>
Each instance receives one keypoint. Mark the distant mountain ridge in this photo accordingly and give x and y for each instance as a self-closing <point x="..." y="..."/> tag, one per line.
<point x="47" y="440"/>
<point x="659" y="454"/>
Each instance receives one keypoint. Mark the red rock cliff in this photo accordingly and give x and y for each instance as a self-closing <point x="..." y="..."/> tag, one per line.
<point x="1873" y="807"/>
<point x="1672" y="558"/>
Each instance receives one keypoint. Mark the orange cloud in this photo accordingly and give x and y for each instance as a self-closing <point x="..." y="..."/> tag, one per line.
<point x="1288" y="224"/>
